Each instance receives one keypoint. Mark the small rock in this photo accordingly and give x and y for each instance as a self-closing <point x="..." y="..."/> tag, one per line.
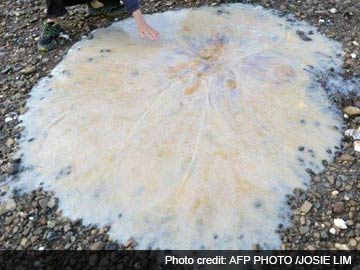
<point x="324" y="235"/>
<point x="24" y="242"/>
<point x="332" y="231"/>
<point x="304" y="229"/>
<point x="306" y="207"/>
<point x="28" y="70"/>
<point x="10" y="142"/>
<point x="357" y="146"/>
<point x="346" y="157"/>
<point x="340" y="223"/>
<point x="338" y="208"/>
<point x="5" y="69"/>
<point x="43" y="203"/>
<point x="341" y="246"/>
<point x="97" y="246"/>
<point x="255" y="247"/>
<point x="67" y="228"/>
<point x="333" y="10"/>
<point x="331" y="179"/>
<point x="51" y="224"/>
<point x="352" y="111"/>
<point x="352" y="242"/>
<point x="52" y="202"/>
<point x="302" y="220"/>
<point x="353" y="55"/>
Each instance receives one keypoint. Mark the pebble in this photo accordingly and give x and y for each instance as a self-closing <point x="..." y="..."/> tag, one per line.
<point x="324" y="235"/>
<point x="332" y="230"/>
<point x="346" y="157"/>
<point x="28" y="70"/>
<point x="43" y="203"/>
<point x="340" y="223"/>
<point x="304" y="229"/>
<point x="306" y="207"/>
<point x="341" y="246"/>
<point x="51" y="224"/>
<point x="352" y="242"/>
<point x="338" y="208"/>
<point x="97" y="246"/>
<point x="67" y="228"/>
<point x="52" y="202"/>
<point x="357" y="146"/>
<point x="333" y="10"/>
<point x="351" y="111"/>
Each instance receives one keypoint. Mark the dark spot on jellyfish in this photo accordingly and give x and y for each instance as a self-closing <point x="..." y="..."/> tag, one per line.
<point x="290" y="20"/>
<point x="258" y="204"/>
<point x="120" y="215"/>
<point x="134" y="74"/>
<point x="335" y="128"/>
<point x="332" y="69"/>
<point x="50" y="89"/>
<point x="301" y="148"/>
<point x="90" y="59"/>
<point x="310" y="32"/>
<point x="50" y="76"/>
<point x="338" y="55"/>
<point x="303" y="36"/>
<point x="41" y="98"/>
<point x="79" y="49"/>
<point x="31" y="139"/>
<point x="310" y="171"/>
<point x="223" y="11"/>
<point x="41" y="183"/>
<point x="311" y="163"/>
<point x="280" y="226"/>
<point x="241" y="237"/>
<point x="63" y="172"/>
<point x="96" y="195"/>
<point x="310" y="151"/>
<point x="324" y="162"/>
<point x="300" y="160"/>
<point x="302" y="121"/>
<point x="328" y="151"/>
<point x="215" y="236"/>
<point x="316" y="123"/>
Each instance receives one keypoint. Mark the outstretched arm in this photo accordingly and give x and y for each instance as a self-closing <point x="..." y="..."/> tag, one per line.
<point x="145" y="30"/>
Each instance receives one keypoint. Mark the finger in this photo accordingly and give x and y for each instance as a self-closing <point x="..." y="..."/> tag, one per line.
<point x="155" y="35"/>
<point x="149" y="35"/>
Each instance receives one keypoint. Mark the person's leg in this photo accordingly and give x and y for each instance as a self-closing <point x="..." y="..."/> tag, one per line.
<point x="53" y="33"/>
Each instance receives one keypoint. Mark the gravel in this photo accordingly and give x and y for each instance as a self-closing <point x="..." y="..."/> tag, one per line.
<point x="34" y="221"/>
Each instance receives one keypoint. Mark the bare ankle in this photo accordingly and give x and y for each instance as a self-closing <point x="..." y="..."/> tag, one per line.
<point x="54" y="20"/>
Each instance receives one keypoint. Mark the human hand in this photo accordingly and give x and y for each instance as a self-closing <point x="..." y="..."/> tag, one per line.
<point x="145" y="30"/>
